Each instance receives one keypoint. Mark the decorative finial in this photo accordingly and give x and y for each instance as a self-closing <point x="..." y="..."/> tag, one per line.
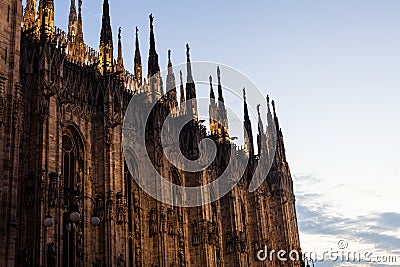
<point x="210" y="78"/>
<point x="151" y="17"/>
<point x="268" y="99"/>
<point x="244" y="93"/>
<point x="258" y="109"/>
<point x="187" y="51"/>
<point x="180" y="75"/>
<point x="218" y="71"/>
<point x="137" y="30"/>
<point x="119" y="33"/>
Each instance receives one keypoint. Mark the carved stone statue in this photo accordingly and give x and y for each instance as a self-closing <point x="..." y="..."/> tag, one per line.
<point x="153" y="223"/>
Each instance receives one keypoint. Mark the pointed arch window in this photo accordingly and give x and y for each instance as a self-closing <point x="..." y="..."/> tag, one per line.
<point x="73" y="174"/>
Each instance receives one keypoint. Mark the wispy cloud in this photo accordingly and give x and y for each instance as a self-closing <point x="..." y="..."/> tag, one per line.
<point x="323" y="225"/>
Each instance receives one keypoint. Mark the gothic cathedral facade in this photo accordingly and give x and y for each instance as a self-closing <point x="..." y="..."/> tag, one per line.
<point x="66" y="195"/>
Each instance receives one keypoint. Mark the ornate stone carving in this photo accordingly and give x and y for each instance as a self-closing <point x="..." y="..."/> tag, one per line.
<point x="137" y="226"/>
<point x="53" y="177"/>
<point x="121" y="208"/>
<point x="172" y="229"/>
<point x="138" y="254"/>
<point x="153" y="227"/>
<point x="163" y="220"/>
<point x="195" y="233"/>
<point x="79" y="244"/>
<point x="109" y="206"/>
<point x="136" y="200"/>
<point x="44" y="106"/>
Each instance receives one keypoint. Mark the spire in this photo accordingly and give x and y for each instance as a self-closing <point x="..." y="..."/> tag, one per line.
<point x="171" y="86"/>
<point x="270" y="130"/>
<point x="212" y="95"/>
<point x="275" y="116"/>
<point x="248" y="134"/>
<point x="80" y="26"/>
<point x="46" y="18"/>
<point x="222" y="116"/>
<point x="120" y="60"/>
<point x="30" y="14"/>
<point x="182" y="94"/>
<point x="190" y="86"/>
<point x="72" y="24"/>
<point x="106" y="42"/>
<point x="261" y="140"/>
<point x="72" y="12"/>
<point x="212" y="111"/>
<point x="153" y="66"/>
<point x="280" y="146"/>
<point x="72" y="30"/>
<point x="270" y="135"/>
<point x="138" y="60"/>
<point x="260" y="123"/>
<point x="220" y="97"/>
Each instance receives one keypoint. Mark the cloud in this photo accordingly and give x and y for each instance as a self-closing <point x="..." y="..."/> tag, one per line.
<point x="319" y="220"/>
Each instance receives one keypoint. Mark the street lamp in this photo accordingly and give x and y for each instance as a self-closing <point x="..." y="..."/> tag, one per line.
<point x="74" y="216"/>
<point x="308" y="262"/>
<point x="95" y="221"/>
<point x="48" y="220"/>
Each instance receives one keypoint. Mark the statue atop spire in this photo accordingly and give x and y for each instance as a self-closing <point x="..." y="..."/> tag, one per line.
<point x="138" y="60"/>
<point x="188" y="52"/>
<point x="220" y="96"/>
<point x="120" y="59"/>
<point x="188" y="66"/>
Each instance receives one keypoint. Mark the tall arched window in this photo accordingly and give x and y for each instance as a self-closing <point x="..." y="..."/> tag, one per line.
<point x="69" y="157"/>
<point x="73" y="174"/>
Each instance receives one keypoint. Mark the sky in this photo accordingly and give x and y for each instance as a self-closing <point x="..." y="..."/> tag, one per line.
<point x="333" y="68"/>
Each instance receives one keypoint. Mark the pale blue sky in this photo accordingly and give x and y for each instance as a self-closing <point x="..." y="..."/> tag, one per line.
<point x="333" y="68"/>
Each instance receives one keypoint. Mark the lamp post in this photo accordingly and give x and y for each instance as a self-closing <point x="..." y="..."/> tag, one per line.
<point x="72" y="218"/>
<point x="308" y="260"/>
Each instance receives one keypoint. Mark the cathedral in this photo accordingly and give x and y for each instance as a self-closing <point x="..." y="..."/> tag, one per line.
<point x="68" y="194"/>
